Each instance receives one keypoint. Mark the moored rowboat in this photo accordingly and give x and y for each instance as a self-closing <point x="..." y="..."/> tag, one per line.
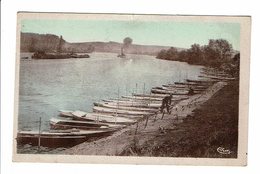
<point x="52" y="138"/>
<point x="218" y="78"/>
<point x="134" y="103"/>
<point x="205" y="81"/>
<point x="120" y="111"/>
<point x="131" y="108"/>
<point x="151" y="95"/>
<point x="161" y="91"/>
<point x="187" y="85"/>
<point x="66" y="113"/>
<point x="183" y="89"/>
<point x="151" y="99"/>
<point x="80" y="115"/>
<point x="85" y="125"/>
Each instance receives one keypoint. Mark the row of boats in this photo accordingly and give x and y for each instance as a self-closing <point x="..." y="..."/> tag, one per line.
<point x="110" y="115"/>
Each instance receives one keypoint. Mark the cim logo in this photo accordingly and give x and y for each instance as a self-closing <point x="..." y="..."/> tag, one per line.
<point x="224" y="151"/>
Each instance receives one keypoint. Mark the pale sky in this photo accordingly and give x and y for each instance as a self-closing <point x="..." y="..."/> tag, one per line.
<point x="165" y="33"/>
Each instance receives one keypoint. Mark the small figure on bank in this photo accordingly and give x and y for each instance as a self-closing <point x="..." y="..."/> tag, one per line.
<point x="166" y="103"/>
<point x="191" y="91"/>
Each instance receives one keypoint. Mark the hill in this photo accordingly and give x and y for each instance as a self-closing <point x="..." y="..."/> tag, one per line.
<point x="31" y="42"/>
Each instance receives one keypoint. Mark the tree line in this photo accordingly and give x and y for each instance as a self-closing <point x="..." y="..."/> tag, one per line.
<point x="217" y="53"/>
<point x="213" y="54"/>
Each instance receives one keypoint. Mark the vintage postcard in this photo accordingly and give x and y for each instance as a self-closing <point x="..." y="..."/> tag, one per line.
<point x="131" y="89"/>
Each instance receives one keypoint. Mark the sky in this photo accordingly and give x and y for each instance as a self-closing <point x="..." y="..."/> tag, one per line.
<point x="165" y="33"/>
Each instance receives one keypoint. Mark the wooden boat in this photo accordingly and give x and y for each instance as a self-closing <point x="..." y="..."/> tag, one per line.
<point x="158" y="100"/>
<point x="186" y="84"/>
<point x="161" y="91"/>
<point x="131" y="99"/>
<point x="74" y="55"/>
<point x="175" y="98"/>
<point x="140" y="98"/>
<point x="218" y="78"/>
<point x="66" y="113"/>
<point x="183" y="87"/>
<point x="201" y="81"/>
<point x="143" y="103"/>
<point x="120" y="111"/>
<point x="84" y="125"/>
<point x="190" y="84"/>
<point x="170" y="88"/>
<point x="215" y="73"/>
<point x="184" y="93"/>
<point x="59" y="138"/>
<point x="80" y="115"/>
<point x="151" y="99"/>
<point x="151" y="95"/>
<point x="104" y="118"/>
<point x="131" y="108"/>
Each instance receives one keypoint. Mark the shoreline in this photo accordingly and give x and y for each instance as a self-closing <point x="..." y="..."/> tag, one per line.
<point x="126" y="141"/>
<point x="211" y="131"/>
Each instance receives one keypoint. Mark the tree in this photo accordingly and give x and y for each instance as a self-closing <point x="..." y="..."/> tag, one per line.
<point x="235" y="65"/>
<point x="195" y="54"/>
<point x="218" y="51"/>
<point x="183" y="55"/>
<point x="172" y="54"/>
<point x="162" y="54"/>
<point x="60" y="45"/>
<point x="127" y="41"/>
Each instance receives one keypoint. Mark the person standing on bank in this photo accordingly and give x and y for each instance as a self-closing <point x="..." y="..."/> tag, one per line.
<point x="166" y="103"/>
<point x="191" y="91"/>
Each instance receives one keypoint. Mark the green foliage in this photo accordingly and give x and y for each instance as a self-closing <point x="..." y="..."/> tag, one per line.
<point x="127" y="41"/>
<point x="216" y="53"/>
<point x="170" y="54"/>
<point x="232" y="66"/>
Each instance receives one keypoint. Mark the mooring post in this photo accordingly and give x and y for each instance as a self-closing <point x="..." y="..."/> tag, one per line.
<point x="39" y="136"/>
<point x="134" y="98"/>
<point x="117" y="105"/>
<point x="144" y="89"/>
<point x="149" y="102"/>
<point x="136" y="128"/>
<point x="146" y="121"/>
<point x="136" y="88"/>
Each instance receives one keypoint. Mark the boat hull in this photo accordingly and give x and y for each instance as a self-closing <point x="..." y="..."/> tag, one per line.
<point x="83" y="125"/>
<point x="104" y="118"/>
<point x="55" y="140"/>
<point x="131" y="108"/>
<point x="125" y="112"/>
<point x="46" y="141"/>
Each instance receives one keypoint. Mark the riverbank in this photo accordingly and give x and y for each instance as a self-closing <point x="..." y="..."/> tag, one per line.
<point x="210" y="132"/>
<point x="131" y="140"/>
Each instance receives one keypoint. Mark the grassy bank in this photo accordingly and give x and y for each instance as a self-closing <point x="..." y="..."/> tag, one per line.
<point x="213" y="125"/>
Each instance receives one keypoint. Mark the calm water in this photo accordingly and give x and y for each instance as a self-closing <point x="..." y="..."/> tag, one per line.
<point x="47" y="86"/>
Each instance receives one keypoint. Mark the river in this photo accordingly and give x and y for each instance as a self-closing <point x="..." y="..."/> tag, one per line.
<point x="46" y="86"/>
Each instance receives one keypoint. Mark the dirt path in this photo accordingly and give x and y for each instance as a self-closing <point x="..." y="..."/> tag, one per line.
<point x="124" y="141"/>
<point x="211" y="132"/>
